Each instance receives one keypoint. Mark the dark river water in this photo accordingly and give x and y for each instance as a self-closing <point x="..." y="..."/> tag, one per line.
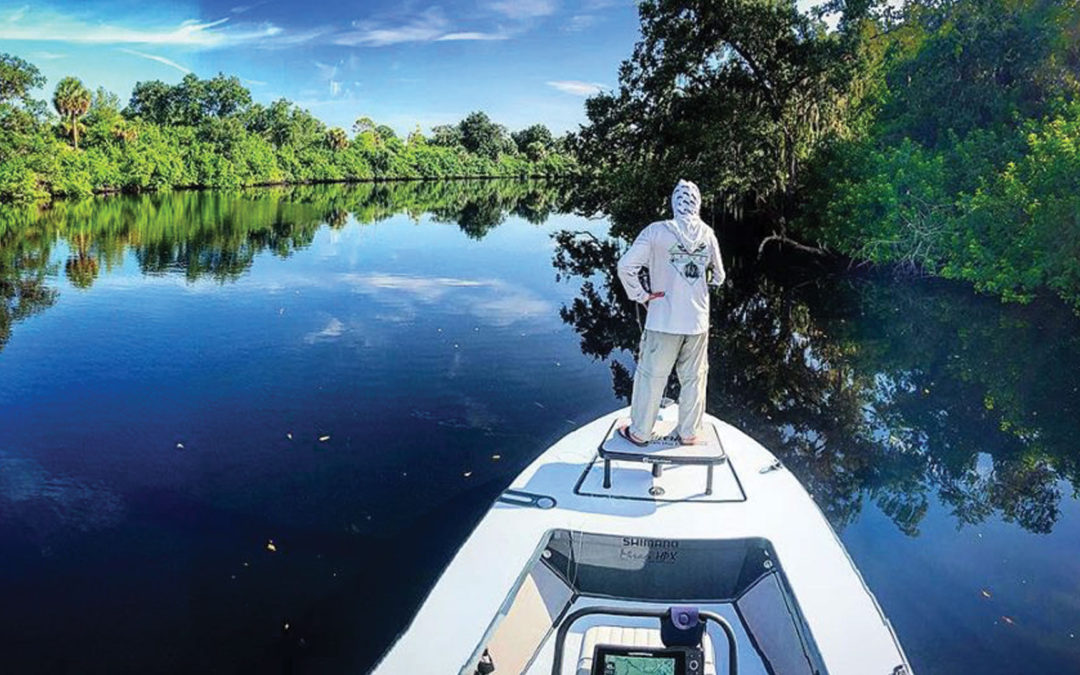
<point x="243" y="433"/>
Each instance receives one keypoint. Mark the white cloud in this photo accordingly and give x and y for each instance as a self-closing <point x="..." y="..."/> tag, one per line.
<point x="523" y="9"/>
<point x="17" y="14"/>
<point x="425" y="27"/>
<point x="241" y="9"/>
<point x="580" y="22"/>
<point x="472" y="35"/>
<point x="46" y="26"/>
<point x="253" y="83"/>
<point x="576" y="87"/>
<point x="48" y="56"/>
<point x="284" y="40"/>
<point x="428" y="26"/>
<point x="155" y="57"/>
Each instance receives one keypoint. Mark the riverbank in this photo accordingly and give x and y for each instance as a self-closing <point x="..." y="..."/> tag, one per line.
<point x="938" y="136"/>
<point x="105" y="192"/>
<point x="51" y="169"/>
<point x="212" y="134"/>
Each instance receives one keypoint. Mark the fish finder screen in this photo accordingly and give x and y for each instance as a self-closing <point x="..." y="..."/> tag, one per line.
<point x="615" y="664"/>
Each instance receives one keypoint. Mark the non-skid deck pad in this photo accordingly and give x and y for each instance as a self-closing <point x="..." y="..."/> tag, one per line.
<point x="664" y="443"/>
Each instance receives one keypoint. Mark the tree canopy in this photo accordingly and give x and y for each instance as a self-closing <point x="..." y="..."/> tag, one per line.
<point x="737" y="94"/>
<point x="968" y="167"/>
<point x="938" y="135"/>
<point x="210" y="133"/>
<point x="190" y="102"/>
<point x="17" y="79"/>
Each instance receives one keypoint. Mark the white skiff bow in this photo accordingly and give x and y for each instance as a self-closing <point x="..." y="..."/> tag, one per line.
<point x="747" y="545"/>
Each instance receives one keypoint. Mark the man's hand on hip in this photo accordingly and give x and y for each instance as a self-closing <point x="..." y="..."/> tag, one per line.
<point x="653" y="296"/>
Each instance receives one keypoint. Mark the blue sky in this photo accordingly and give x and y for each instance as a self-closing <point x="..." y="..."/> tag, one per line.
<point x="400" y="62"/>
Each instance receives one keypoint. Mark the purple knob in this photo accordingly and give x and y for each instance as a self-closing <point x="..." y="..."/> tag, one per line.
<point x="685" y="617"/>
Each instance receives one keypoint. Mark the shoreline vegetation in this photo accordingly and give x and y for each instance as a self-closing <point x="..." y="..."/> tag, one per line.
<point x="937" y="137"/>
<point x="940" y="137"/>
<point x="205" y="134"/>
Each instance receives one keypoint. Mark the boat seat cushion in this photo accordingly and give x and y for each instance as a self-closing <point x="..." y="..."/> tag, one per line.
<point x="631" y="636"/>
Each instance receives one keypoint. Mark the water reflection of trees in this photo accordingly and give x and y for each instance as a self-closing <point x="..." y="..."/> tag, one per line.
<point x="872" y="389"/>
<point x="218" y="235"/>
<point x="24" y="269"/>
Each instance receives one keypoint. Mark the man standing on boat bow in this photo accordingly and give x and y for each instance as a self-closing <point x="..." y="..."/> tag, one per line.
<point x="683" y="259"/>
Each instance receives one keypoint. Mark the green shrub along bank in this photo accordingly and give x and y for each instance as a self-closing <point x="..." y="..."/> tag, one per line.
<point x="209" y="133"/>
<point x="936" y="135"/>
<point x="970" y="168"/>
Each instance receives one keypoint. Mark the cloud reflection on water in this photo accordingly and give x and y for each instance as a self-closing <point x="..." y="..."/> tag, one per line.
<point x="62" y="503"/>
<point x="493" y="301"/>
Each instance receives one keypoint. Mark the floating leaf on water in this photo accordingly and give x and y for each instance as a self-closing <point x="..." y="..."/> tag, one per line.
<point x="1007" y="620"/>
<point x="288" y="435"/>
<point x="985" y="593"/>
<point x="538" y="404"/>
<point x="179" y="446"/>
<point x="467" y="474"/>
<point x="270" y="546"/>
<point x="323" y="439"/>
<point x="286" y="625"/>
<point x="496" y="458"/>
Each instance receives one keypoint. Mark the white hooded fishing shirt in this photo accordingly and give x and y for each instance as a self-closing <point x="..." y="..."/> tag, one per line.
<point x="678" y="254"/>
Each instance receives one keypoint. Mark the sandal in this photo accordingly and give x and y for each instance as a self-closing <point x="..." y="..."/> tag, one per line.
<point x="625" y="433"/>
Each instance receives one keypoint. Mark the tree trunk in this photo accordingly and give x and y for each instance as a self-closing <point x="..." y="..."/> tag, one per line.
<point x="75" y="130"/>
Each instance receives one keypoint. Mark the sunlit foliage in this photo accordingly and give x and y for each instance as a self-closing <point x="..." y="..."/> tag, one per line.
<point x="209" y="133"/>
<point x="938" y="136"/>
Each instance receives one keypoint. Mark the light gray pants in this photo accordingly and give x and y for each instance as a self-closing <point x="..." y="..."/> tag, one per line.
<point x="689" y="355"/>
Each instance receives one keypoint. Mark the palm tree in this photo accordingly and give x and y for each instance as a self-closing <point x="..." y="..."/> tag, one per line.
<point x="81" y="267"/>
<point x="71" y="100"/>
<point x="337" y="139"/>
